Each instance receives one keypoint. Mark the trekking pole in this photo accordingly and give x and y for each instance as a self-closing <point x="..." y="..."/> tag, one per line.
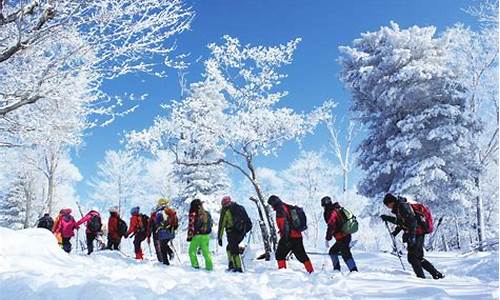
<point x="175" y="251"/>
<point x="394" y="245"/>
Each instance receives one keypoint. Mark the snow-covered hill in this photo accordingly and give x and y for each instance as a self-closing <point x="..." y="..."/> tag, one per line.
<point x="33" y="267"/>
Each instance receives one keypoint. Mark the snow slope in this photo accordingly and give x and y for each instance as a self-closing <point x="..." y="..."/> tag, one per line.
<point x="33" y="267"/>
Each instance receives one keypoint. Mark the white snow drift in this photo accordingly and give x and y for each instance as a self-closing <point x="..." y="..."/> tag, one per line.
<point x="32" y="266"/>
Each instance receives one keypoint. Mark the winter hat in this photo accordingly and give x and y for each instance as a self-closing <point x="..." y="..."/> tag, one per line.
<point x="326" y="201"/>
<point x="226" y="200"/>
<point x="390" y="198"/>
<point x="67" y="211"/>
<point x="113" y="209"/>
<point x="163" y="202"/>
<point x="273" y="200"/>
<point x="135" y="210"/>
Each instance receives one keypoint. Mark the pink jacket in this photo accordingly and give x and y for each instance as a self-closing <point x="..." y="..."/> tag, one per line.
<point x="87" y="218"/>
<point x="67" y="226"/>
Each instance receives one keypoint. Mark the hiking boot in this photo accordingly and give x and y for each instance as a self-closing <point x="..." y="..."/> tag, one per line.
<point x="438" y="275"/>
<point x="238" y="270"/>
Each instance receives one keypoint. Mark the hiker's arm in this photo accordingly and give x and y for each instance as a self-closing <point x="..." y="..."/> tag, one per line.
<point x="389" y="219"/>
<point x="222" y="224"/>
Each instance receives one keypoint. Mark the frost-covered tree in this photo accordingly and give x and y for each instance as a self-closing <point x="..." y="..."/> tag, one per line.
<point x="342" y="147"/>
<point x="475" y="61"/>
<point x="420" y="129"/>
<point x="122" y="36"/>
<point x="12" y="205"/>
<point x="119" y="181"/>
<point x="240" y="87"/>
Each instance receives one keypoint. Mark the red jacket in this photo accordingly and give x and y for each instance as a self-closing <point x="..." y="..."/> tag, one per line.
<point x="87" y="218"/>
<point x="136" y="224"/>
<point x="113" y="226"/>
<point x="333" y="226"/>
<point x="283" y="222"/>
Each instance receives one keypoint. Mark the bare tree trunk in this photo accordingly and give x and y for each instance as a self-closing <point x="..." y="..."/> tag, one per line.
<point x="263" y="229"/>
<point x="345" y="175"/>
<point x="479" y="214"/>
<point x="27" y="186"/>
<point x="445" y="243"/>
<point x="459" y="243"/>
<point x="50" y="193"/>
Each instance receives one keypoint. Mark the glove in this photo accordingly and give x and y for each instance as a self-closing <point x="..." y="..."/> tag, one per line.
<point x="189" y="239"/>
<point x="394" y="233"/>
<point x="126" y="236"/>
<point x="405" y="237"/>
<point x="386" y="218"/>
<point x="412" y="241"/>
<point x="327" y="244"/>
<point x="220" y="242"/>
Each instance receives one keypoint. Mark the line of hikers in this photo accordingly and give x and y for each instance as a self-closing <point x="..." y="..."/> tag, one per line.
<point x="411" y="217"/>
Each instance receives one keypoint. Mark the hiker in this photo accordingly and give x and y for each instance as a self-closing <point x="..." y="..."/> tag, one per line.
<point x="290" y="238"/>
<point x="414" y="233"/>
<point x="152" y="230"/>
<point x="55" y="228"/>
<point x="66" y="228"/>
<point x="166" y="223"/>
<point x="200" y="227"/>
<point x="115" y="229"/>
<point x="234" y="219"/>
<point x="139" y="229"/>
<point x="335" y="220"/>
<point x="46" y="222"/>
<point x="93" y="223"/>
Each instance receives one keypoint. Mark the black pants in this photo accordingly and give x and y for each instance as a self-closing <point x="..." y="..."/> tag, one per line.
<point x="156" y="244"/>
<point x="417" y="260"/>
<point x="234" y="239"/>
<point x="165" y="251"/>
<point x="341" y="247"/>
<point x="90" y="242"/>
<point x="66" y="244"/>
<point x="113" y="244"/>
<point x="138" y="238"/>
<point x="295" y="245"/>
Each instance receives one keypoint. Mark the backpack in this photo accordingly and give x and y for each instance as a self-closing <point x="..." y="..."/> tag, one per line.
<point x="94" y="225"/>
<point x="297" y="217"/>
<point x="122" y="227"/>
<point x="143" y="223"/>
<point x="349" y="223"/>
<point x="424" y="217"/>
<point x="45" y="222"/>
<point x="205" y="227"/>
<point x="241" y="221"/>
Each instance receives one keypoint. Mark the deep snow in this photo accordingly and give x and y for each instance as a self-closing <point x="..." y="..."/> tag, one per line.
<point x="32" y="266"/>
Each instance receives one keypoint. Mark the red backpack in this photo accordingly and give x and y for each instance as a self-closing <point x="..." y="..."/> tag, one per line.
<point x="424" y="217"/>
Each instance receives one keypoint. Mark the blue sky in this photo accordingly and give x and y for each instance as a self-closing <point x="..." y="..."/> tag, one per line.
<point x="312" y="78"/>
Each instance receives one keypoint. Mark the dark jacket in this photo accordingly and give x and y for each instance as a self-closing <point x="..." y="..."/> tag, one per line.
<point x="283" y="222"/>
<point x="405" y="218"/>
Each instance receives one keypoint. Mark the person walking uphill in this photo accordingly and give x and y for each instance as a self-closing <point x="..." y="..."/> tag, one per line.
<point x="138" y="227"/>
<point x="93" y="221"/>
<point x="290" y="237"/>
<point x="116" y="229"/>
<point x="200" y="227"/>
<point x="415" y="220"/>
<point x="234" y="219"/>
<point x="66" y="228"/>
<point x="335" y="220"/>
<point x="166" y="223"/>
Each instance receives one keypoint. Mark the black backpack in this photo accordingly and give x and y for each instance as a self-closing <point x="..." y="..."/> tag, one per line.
<point x="142" y="227"/>
<point x="241" y="221"/>
<point x="45" y="222"/>
<point x="94" y="225"/>
<point x="122" y="227"/>
<point x="298" y="219"/>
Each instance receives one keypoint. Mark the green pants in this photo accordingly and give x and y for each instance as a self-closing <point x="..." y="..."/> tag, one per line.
<point x="200" y="241"/>
<point x="234" y="261"/>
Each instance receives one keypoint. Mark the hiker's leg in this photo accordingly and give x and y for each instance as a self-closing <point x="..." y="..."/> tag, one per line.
<point x="282" y="251"/>
<point x="300" y="253"/>
<point x="193" y="247"/>
<point x="334" y="255"/>
<point x="90" y="242"/>
<point x="205" y="241"/>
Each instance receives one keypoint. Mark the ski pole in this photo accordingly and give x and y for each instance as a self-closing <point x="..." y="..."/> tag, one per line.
<point x="394" y="245"/>
<point x="175" y="251"/>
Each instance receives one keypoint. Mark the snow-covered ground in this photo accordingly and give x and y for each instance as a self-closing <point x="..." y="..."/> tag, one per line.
<point x="32" y="266"/>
